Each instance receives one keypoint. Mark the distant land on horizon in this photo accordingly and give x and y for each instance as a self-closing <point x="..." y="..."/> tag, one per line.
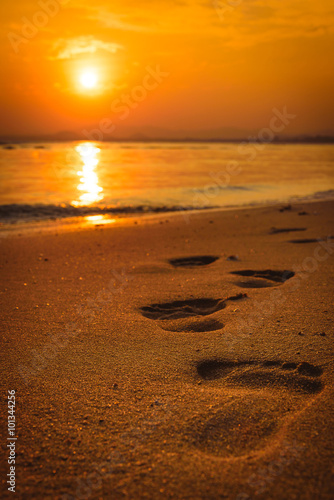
<point x="151" y="134"/>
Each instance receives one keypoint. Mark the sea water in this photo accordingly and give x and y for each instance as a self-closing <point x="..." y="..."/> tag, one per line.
<point x="76" y="179"/>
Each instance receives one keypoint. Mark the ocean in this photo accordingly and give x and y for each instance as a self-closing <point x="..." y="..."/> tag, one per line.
<point x="53" y="181"/>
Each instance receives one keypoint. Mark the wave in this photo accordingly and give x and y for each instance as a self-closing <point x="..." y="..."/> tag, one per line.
<point x="24" y="212"/>
<point x="15" y="212"/>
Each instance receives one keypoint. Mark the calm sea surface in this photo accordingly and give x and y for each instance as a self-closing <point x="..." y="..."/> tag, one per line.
<point x="57" y="180"/>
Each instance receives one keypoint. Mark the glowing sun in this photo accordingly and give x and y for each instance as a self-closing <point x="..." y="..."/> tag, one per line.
<point x="88" y="79"/>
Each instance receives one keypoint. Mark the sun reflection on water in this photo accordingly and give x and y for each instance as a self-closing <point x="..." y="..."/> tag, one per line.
<point x="99" y="219"/>
<point x="88" y="177"/>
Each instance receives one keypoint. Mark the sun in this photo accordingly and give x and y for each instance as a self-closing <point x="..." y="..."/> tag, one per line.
<point x="89" y="79"/>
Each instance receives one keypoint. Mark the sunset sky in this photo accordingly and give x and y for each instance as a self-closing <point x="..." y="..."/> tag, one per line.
<point x="221" y="64"/>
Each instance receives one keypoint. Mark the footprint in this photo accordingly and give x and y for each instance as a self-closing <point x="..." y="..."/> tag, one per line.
<point x="298" y="377"/>
<point x="195" y="325"/>
<point x="174" y="316"/>
<point x="258" y="397"/>
<point x="285" y="208"/>
<point x="243" y="426"/>
<point x="275" y="230"/>
<point x="263" y="279"/>
<point x="201" y="260"/>
<point x="311" y="240"/>
<point x="306" y="240"/>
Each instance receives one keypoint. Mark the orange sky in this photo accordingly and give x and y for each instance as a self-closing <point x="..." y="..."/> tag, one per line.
<point x="229" y="63"/>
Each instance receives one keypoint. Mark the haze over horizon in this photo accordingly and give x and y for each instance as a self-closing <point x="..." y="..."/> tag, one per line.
<point x="177" y="66"/>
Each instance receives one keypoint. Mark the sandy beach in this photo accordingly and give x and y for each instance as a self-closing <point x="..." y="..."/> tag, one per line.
<point x="180" y="356"/>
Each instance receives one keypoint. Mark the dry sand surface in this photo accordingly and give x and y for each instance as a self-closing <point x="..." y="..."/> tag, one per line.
<point x="172" y="357"/>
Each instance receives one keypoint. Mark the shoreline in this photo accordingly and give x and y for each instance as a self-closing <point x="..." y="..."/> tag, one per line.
<point x="98" y="220"/>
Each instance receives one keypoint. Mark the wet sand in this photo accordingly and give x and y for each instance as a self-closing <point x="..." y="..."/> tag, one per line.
<point x="175" y="357"/>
